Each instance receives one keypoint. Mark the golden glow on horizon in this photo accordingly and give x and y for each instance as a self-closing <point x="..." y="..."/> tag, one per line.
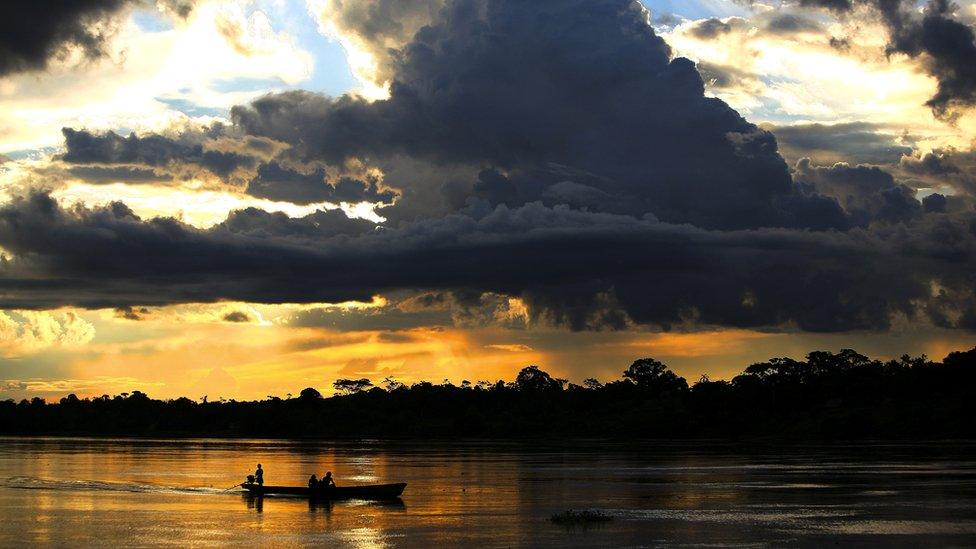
<point x="193" y="351"/>
<point x="699" y="344"/>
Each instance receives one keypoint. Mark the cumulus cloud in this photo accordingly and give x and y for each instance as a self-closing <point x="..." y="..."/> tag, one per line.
<point x="25" y="332"/>
<point x="860" y="188"/>
<point x="858" y="142"/>
<point x="277" y="182"/>
<point x="184" y="155"/>
<point x="257" y="166"/>
<point x="258" y="223"/>
<point x="373" y="31"/>
<point x="518" y="87"/>
<point x="713" y="27"/>
<point x="946" y="44"/>
<point x="584" y="180"/>
<point x="582" y="269"/>
<point x="34" y="32"/>
<point x="946" y="170"/>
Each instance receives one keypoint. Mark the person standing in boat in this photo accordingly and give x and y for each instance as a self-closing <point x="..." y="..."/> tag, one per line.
<point x="259" y="475"/>
<point x="327" y="481"/>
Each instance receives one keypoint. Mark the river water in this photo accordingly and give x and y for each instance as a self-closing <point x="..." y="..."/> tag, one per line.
<point x="79" y="492"/>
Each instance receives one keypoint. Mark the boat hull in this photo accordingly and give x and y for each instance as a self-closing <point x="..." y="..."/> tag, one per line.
<point x="373" y="491"/>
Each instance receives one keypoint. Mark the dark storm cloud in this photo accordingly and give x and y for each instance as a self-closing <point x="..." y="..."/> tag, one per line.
<point x="238" y="160"/>
<point x="383" y="319"/>
<point x="946" y="44"/>
<point x="723" y="76"/>
<point x="131" y="313"/>
<point x="568" y="265"/>
<point x="942" y="168"/>
<point x="858" y="142"/>
<point x="950" y="49"/>
<point x="929" y="164"/>
<point x="277" y="182"/>
<point x="181" y="155"/>
<point x="112" y="174"/>
<point x="32" y="32"/>
<point x="868" y="193"/>
<point x="518" y="86"/>
<point x="580" y="169"/>
<point x="710" y="28"/>
<point x="836" y="5"/>
<point x="934" y="203"/>
<point x="380" y="27"/>
<point x="258" y="223"/>
<point x="790" y="23"/>
<point x="238" y="317"/>
<point x="777" y="22"/>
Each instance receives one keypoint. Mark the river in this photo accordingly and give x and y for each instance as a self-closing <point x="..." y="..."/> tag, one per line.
<point x="123" y="492"/>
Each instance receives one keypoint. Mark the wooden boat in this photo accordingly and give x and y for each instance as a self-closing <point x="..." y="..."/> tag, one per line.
<point x="370" y="491"/>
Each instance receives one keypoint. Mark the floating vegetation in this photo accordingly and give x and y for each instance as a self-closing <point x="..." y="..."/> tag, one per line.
<point x="573" y="517"/>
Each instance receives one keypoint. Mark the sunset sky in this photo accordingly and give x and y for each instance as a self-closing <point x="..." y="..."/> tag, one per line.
<point x="241" y="198"/>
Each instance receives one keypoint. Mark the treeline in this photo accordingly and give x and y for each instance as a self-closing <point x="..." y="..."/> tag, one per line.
<point x="841" y="395"/>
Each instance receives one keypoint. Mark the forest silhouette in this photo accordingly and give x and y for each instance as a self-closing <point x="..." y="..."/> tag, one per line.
<point x="842" y="395"/>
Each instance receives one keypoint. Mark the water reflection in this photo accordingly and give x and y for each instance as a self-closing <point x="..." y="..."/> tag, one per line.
<point x="63" y="492"/>
<point x="319" y="505"/>
<point x="255" y="503"/>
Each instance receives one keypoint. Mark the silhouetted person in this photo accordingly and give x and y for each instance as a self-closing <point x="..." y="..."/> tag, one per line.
<point x="259" y="475"/>
<point x="313" y="482"/>
<point x="327" y="481"/>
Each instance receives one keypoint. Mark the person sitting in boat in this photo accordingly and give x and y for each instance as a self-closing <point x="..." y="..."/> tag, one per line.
<point x="313" y="482"/>
<point x="259" y="475"/>
<point x="327" y="481"/>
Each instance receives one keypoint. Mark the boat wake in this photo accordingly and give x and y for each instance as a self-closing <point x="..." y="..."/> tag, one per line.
<point x="34" y="483"/>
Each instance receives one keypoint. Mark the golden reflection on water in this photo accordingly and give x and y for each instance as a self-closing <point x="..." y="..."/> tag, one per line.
<point x="70" y="492"/>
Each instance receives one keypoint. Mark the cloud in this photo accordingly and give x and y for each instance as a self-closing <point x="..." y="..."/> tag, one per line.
<point x="947" y="45"/>
<point x="372" y="31"/>
<point x="258" y="166"/>
<point x="928" y="164"/>
<point x="34" y="32"/>
<point x="238" y="317"/>
<point x="934" y="202"/>
<point x="276" y="182"/>
<point x="116" y="174"/>
<point x="790" y="23"/>
<point x="584" y="180"/>
<point x="868" y="193"/>
<point x="857" y="142"/>
<point x="185" y="155"/>
<point x="519" y="88"/>
<point x="570" y="266"/>
<point x="259" y="223"/>
<point x="151" y="72"/>
<point x="511" y="347"/>
<point x="949" y="171"/>
<point x="27" y="332"/>
<point x="713" y="27"/>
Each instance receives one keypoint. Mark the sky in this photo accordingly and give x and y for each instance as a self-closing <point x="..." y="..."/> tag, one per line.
<point x="238" y="198"/>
